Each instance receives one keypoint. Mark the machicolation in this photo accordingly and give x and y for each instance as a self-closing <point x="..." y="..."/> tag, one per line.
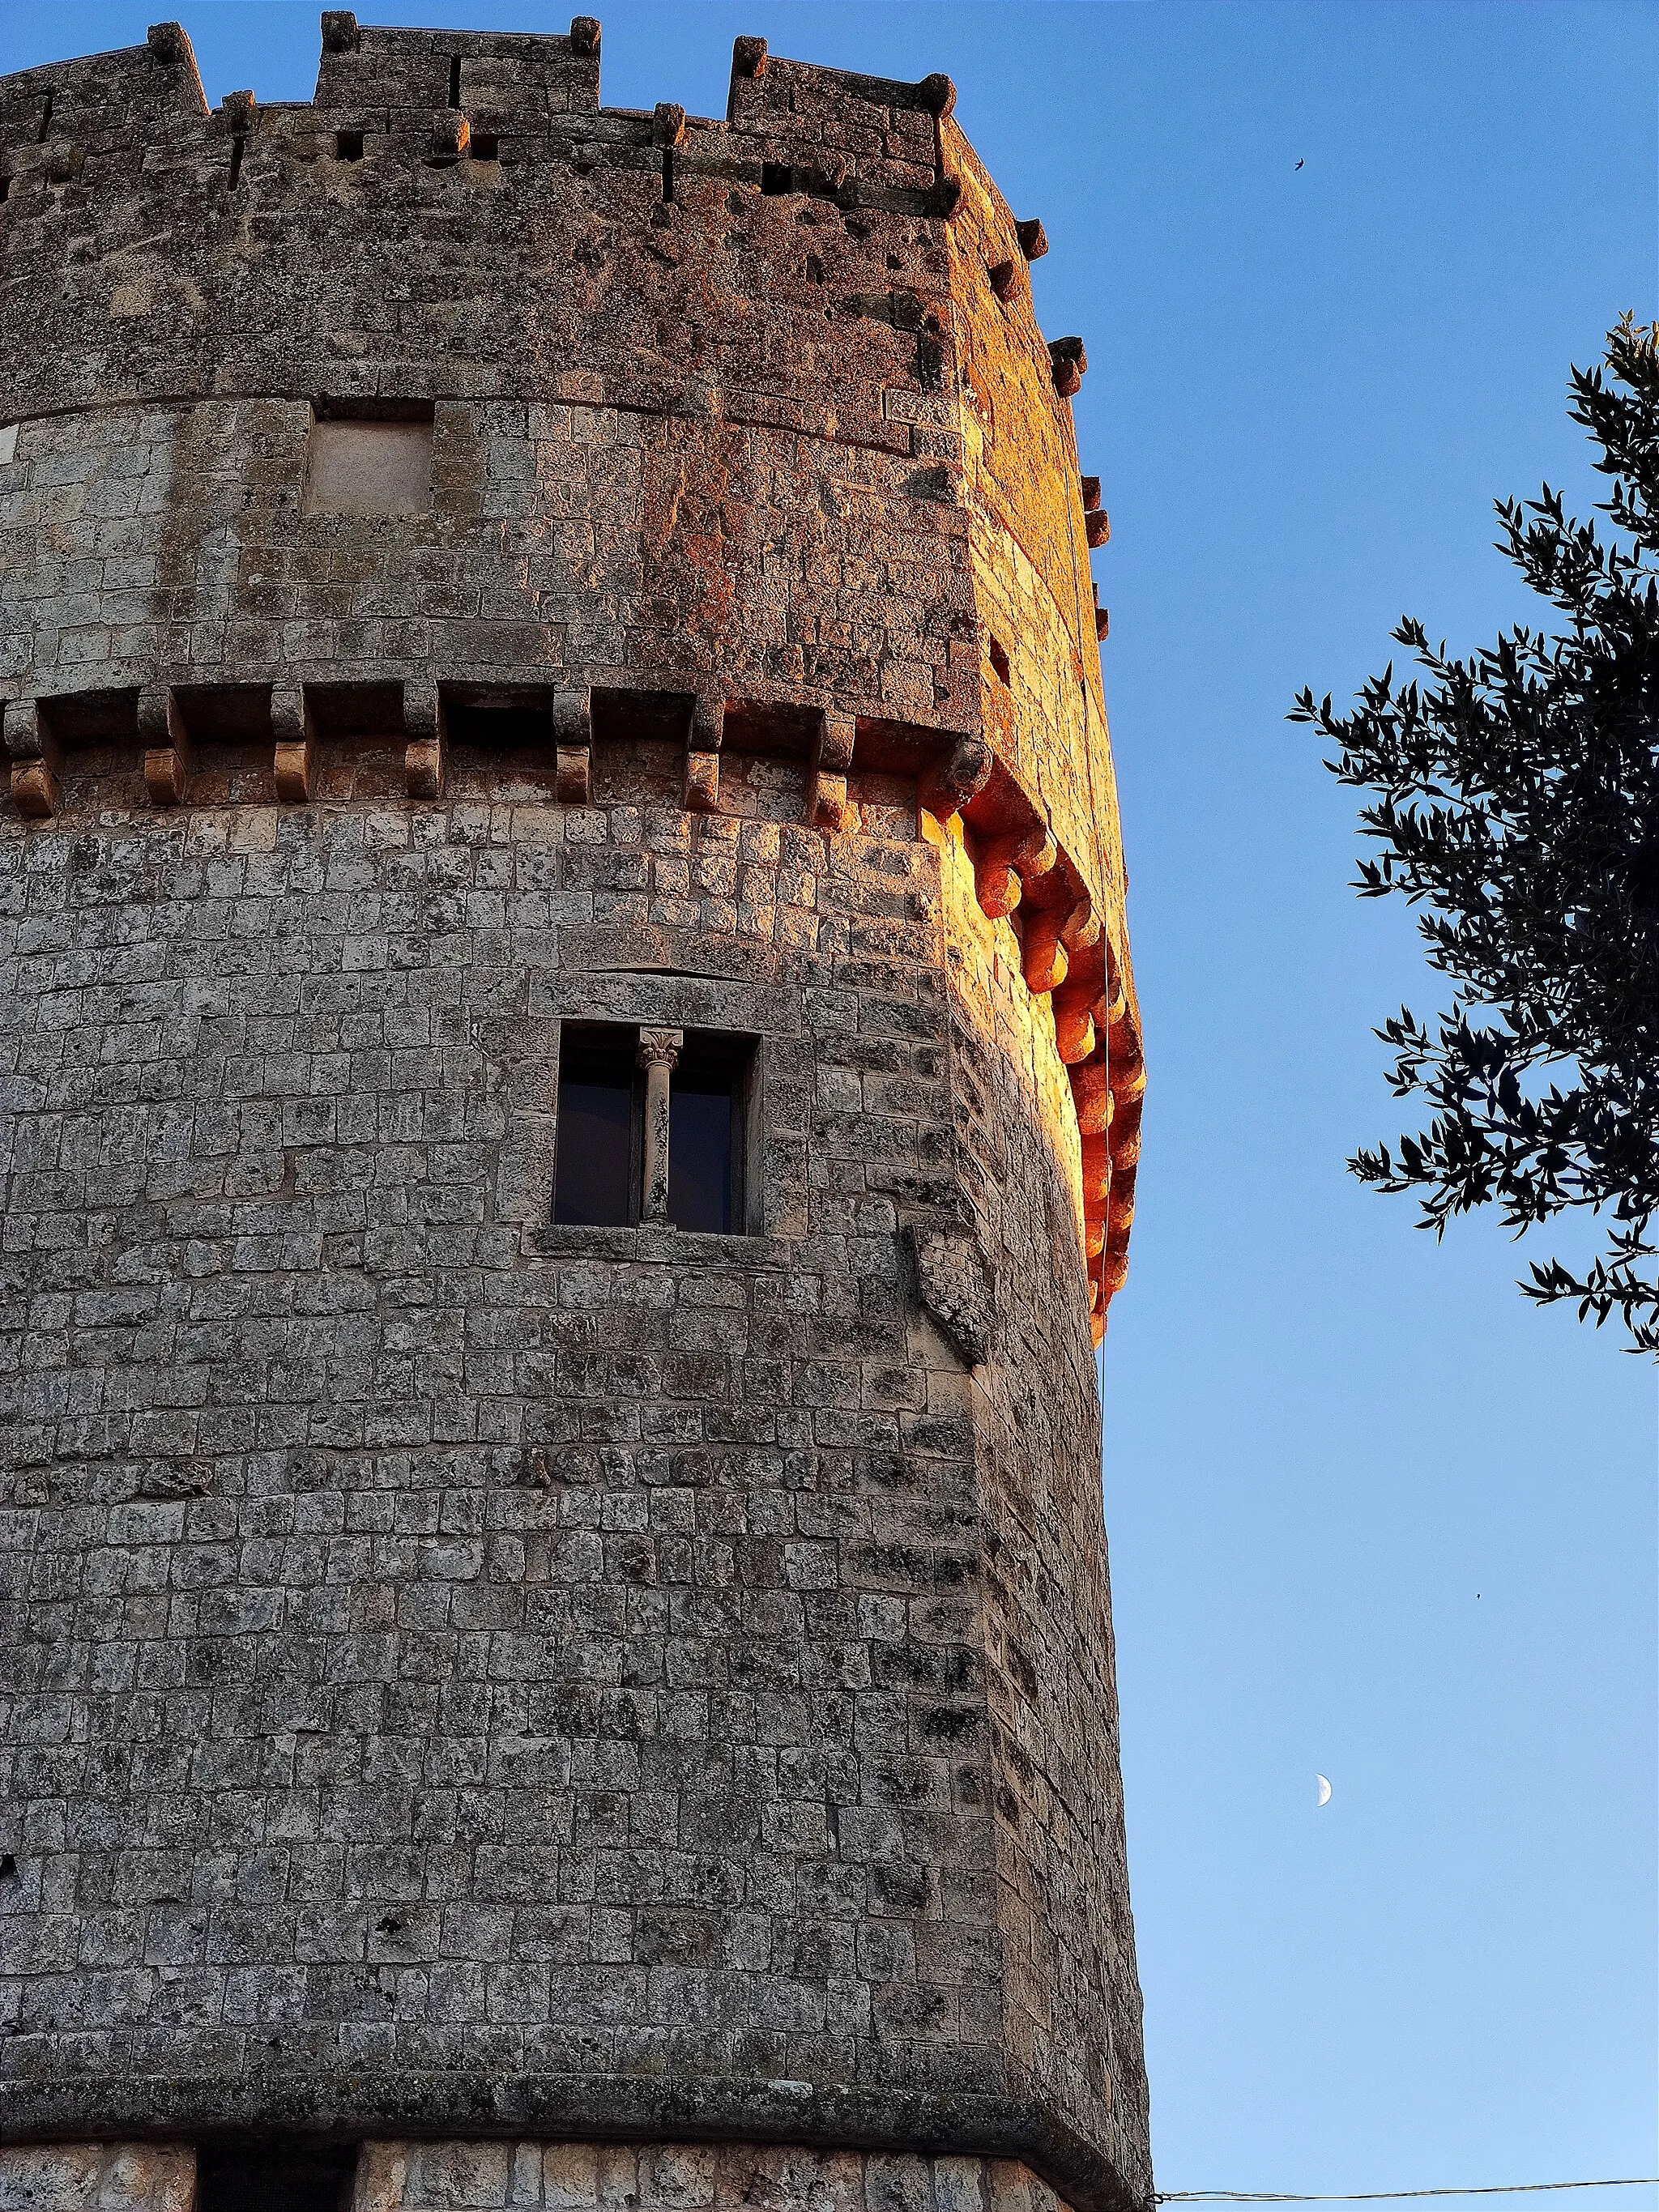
<point x="572" y="1094"/>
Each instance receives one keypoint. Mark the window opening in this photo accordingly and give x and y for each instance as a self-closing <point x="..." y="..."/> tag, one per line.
<point x="704" y="1146"/>
<point x="5" y="188"/>
<point x="597" y="1176"/>
<point x="668" y="172"/>
<point x="238" y="147"/>
<point x="1000" y="661"/>
<point x="777" y="177"/>
<point x="348" y="145"/>
<point x="455" y="79"/>
<point x="626" y="1096"/>
<point x="275" y="2176"/>
<point x="484" y="146"/>
<point x="46" y="116"/>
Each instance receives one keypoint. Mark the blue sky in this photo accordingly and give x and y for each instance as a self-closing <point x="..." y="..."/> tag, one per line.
<point x="1371" y="1514"/>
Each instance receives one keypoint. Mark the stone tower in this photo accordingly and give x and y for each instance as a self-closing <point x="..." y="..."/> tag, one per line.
<point x="571" y="1093"/>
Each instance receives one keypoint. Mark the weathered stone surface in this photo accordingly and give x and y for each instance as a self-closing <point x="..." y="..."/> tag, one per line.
<point x="102" y="2177"/>
<point x="474" y="561"/>
<point x="957" y="1289"/>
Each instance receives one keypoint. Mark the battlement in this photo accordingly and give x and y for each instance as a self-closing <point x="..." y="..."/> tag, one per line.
<point x="440" y="96"/>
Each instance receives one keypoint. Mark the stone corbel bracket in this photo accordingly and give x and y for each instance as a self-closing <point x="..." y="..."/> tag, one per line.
<point x="165" y="743"/>
<point x="573" y="747"/>
<point x="294" y="739"/>
<point x="704" y="738"/>
<point x="828" y="807"/>
<point x="35" y="757"/>
<point x="425" y="753"/>
<point x="957" y="1286"/>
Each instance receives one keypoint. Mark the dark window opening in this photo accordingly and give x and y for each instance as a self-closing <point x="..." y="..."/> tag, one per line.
<point x="484" y="146"/>
<point x="667" y="173"/>
<point x="348" y="145"/>
<point x="596" y="1184"/>
<point x="46" y="116"/>
<point x="455" y="81"/>
<point x="275" y="2176"/>
<point x="238" y="148"/>
<point x="707" y="1098"/>
<point x="777" y="177"/>
<point x="599" y="1163"/>
<point x="1000" y="661"/>
<point x="5" y="188"/>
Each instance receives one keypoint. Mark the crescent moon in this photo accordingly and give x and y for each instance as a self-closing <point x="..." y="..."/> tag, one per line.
<point x="1324" y="1790"/>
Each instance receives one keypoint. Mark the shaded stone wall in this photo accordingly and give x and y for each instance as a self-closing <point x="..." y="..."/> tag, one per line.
<point x="463" y="1675"/>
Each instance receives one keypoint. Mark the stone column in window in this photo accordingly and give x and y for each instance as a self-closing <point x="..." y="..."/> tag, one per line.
<point x="660" y="1052"/>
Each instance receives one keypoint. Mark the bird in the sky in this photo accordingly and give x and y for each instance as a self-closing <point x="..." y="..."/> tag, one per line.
<point x="1303" y="162"/>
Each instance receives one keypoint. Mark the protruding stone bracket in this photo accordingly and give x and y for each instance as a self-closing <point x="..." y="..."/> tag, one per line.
<point x="702" y="753"/>
<point x="36" y="758"/>
<point x="956" y="779"/>
<point x="957" y="1289"/>
<point x="424" y="755"/>
<point x="660" y="1052"/>
<point x="1005" y="867"/>
<point x="295" y="746"/>
<point x="166" y="741"/>
<point x="668" y="124"/>
<point x="1033" y="239"/>
<point x="827" y="804"/>
<point x="573" y="747"/>
<point x="1069" y="364"/>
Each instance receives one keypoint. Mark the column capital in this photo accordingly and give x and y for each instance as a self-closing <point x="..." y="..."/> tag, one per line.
<point x="660" y="1047"/>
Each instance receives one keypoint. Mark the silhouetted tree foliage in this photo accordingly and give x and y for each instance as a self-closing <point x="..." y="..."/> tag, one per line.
<point x="1516" y="798"/>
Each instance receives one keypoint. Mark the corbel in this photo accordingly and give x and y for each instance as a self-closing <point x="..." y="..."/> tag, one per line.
<point x="1094" y="1235"/>
<point x="1097" y="1172"/>
<point x="702" y="753"/>
<point x="424" y="760"/>
<point x="1005" y="867"/>
<point x="573" y="747"/>
<point x="166" y="741"/>
<point x="584" y="33"/>
<point x="1074" y="1021"/>
<point x="1068" y="363"/>
<point x="36" y="759"/>
<point x="1091" y="1094"/>
<point x="668" y="124"/>
<point x="237" y="110"/>
<point x="1053" y="936"/>
<point x="296" y="736"/>
<point x="1044" y="959"/>
<point x="1033" y="238"/>
<point x="949" y="785"/>
<point x="827" y="804"/>
<point x="1128" y="1070"/>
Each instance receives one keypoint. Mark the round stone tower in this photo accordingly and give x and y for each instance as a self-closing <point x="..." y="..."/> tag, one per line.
<point x="572" y="1091"/>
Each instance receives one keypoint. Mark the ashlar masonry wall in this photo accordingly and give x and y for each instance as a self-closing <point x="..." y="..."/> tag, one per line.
<point x="517" y="1698"/>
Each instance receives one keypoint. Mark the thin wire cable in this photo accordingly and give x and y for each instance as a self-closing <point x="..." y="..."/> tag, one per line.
<point x="1387" y="2196"/>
